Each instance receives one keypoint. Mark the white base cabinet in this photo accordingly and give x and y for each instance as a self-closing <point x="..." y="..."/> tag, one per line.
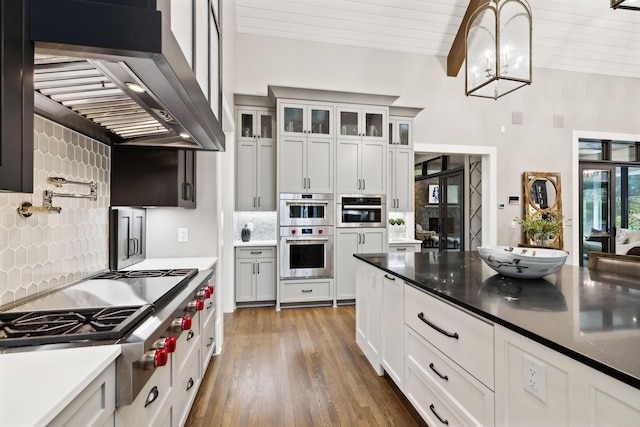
<point x="351" y="241"/>
<point x="368" y="313"/>
<point x="392" y="328"/>
<point x="255" y="274"/>
<point x="576" y="394"/>
<point x="94" y="406"/>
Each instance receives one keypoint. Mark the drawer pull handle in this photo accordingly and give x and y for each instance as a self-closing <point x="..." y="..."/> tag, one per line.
<point x="210" y="305"/>
<point x="401" y="249"/>
<point x="306" y="291"/>
<point x="190" y="384"/>
<point x="437" y="328"/>
<point x="191" y="334"/>
<point x="256" y="252"/>
<point x="433" y="409"/>
<point x="210" y="342"/>
<point x="389" y="277"/>
<point x="433" y="368"/>
<point x="152" y="396"/>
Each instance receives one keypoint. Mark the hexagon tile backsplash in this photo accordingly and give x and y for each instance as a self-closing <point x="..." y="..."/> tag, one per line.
<point x="48" y="250"/>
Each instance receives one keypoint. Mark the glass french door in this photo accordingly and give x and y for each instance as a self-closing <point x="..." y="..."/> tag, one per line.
<point x="452" y="212"/>
<point x="597" y="209"/>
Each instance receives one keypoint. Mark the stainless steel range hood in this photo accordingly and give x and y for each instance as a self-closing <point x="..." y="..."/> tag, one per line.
<point x="116" y="73"/>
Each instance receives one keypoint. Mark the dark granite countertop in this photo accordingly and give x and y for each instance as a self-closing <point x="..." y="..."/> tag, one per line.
<point x="594" y="320"/>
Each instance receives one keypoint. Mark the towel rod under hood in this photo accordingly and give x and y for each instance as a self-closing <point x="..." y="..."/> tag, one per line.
<point x="77" y="41"/>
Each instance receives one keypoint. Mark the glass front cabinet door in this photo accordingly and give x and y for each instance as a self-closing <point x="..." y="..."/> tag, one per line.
<point x="306" y="119"/>
<point x="399" y="131"/>
<point x="355" y="122"/>
<point x="256" y="123"/>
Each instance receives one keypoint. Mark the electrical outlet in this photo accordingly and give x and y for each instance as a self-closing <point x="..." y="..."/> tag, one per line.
<point x="535" y="377"/>
<point x="183" y="235"/>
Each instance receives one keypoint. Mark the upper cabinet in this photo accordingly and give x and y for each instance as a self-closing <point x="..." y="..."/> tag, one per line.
<point x="153" y="177"/>
<point x="306" y="147"/>
<point x="400" y="132"/>
<point x="302" y="119"/>
<point x="256" y="159"/>
<point x="16" y="107"/>
<point x="355" y="122"/>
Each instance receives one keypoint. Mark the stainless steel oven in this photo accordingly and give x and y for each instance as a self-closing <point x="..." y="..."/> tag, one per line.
<point x="306" y="252"/>
<point x="306" y="209"/>
<point x="362" y="211"/>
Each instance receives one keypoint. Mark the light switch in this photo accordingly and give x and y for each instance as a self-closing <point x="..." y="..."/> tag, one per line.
<point x="183" y="235"/>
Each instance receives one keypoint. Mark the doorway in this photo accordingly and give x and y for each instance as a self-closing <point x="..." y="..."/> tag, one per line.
<point x="440" y="208"/>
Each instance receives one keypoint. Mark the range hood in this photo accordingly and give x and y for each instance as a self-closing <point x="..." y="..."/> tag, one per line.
<point x="116" y="73"/>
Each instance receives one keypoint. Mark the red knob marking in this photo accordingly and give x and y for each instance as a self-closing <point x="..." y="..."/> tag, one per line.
<point x="320" y="231"/>
<point x="211" y="289"/>
<point x="170" y="343"/>
<point x="160" y="357"/>
<point x="199" y="304"/>
<point x="293" y="231"/>
<point x="207" y="292"/>
<point x="186" y="323"/>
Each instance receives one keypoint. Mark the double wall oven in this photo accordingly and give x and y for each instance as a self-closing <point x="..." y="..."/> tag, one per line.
<point x="306" y="236"/>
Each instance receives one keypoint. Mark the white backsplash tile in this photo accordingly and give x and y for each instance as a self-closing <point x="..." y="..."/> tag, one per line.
<point x="264" y="224"/>
<point x="49" y="250"/>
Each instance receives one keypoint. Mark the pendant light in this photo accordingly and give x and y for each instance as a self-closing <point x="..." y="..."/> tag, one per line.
<point x="498" y="48"/>
<point x="625" y="4"/>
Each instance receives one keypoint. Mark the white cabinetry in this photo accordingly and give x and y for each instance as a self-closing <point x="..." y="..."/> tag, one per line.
<point x="369" y="296"/>
<point x="255" y="274"/>
<point x="94" y="406"/>
<point x="306" y="141"/>
<point x="306" y="290"/>
<point x="208" y="326"/>
<point x="393" y="328"/>
<point x="351" y="241"/>
<point x="575" y="394"/>
<point x="400" y="162"/>
<point x="404" y="247"/>
<point x="256" y="160"/>
<point x="361" y="153"/>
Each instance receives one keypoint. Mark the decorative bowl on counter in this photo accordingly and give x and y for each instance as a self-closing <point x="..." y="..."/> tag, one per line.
<point x="528" y="263"/>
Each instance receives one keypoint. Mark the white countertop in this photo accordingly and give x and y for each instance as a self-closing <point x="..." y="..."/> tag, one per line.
<point x="201" y="263"/>
<point x="35" y="386"/>
<point x="404" y="241"/>
<point x="256" y="243"/>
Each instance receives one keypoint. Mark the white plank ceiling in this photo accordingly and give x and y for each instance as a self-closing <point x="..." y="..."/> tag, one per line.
<point x="573" y="35"/>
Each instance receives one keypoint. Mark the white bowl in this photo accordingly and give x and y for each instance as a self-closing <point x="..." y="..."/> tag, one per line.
<point x="528" y="263"/>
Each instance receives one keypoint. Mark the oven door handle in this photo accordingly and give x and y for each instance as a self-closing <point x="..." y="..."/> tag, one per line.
<point x="313" y="203"/>
<point x="310" y="239"/>
<point x="361" y="207"/>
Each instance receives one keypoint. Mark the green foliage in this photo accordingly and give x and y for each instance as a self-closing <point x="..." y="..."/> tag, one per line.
<point x="398" y="221"/>
<point x="540" y="224"/>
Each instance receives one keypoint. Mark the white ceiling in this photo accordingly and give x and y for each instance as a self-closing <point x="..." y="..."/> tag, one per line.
<point x="574" y="35"/>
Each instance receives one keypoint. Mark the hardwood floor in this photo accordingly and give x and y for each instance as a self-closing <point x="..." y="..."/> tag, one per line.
<point x="296" y="367"/>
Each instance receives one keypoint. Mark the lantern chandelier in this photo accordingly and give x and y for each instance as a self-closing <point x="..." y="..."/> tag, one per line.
<point x="498" y="48"/>
<point x="626" y="4"/>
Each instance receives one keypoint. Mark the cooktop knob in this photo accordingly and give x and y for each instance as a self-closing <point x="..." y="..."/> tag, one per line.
<point x="181" y="323"/>
<point x="168" y="343"/>
<point x="196" y="304"/>
<point x="161" y="357"/>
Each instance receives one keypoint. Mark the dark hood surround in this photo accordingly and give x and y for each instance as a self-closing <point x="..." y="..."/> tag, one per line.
<point x="121" y="40"/>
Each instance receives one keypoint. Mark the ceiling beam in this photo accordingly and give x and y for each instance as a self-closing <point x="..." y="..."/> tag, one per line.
<point x="456" y="54"/>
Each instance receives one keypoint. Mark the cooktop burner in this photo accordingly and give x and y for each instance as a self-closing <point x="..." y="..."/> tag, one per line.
<point x="108" y="323"/>
<point x="144" y="273"/>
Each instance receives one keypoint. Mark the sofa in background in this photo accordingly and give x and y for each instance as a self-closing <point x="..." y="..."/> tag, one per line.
<point x="626" y="240"/>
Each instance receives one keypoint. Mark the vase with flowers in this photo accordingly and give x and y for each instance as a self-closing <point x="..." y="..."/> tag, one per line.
<point x="397" y="229"/>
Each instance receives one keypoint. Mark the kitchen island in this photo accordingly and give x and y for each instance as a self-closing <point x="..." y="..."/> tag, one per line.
<point x="572" y="325"/>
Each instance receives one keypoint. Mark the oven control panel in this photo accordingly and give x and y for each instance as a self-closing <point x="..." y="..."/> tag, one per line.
<point x="302" y="232"/>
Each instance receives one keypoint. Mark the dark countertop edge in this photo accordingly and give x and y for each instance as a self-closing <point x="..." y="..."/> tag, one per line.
<point x="605" y="369"/>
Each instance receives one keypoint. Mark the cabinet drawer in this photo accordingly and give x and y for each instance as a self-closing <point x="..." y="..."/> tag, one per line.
<point x="471" y="398"/>
<point x="428" y="404"/>
<point x="302" y="291"/>
<point x="148" y="405"/>
<point x="404" y="248"/>
<point x="188" y="342"/>
<point x="256" y="252"/>
<point x="95" y="404"/>
<point x="208" y="340"/>
<point x="465" y="339"/>
<point x="186" y="388"/>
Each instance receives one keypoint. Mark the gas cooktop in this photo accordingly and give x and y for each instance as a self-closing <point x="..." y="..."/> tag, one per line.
<point x="103" y="307"/>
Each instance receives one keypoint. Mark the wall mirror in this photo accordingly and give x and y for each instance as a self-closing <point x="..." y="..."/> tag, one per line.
<point x="543" y="199"/>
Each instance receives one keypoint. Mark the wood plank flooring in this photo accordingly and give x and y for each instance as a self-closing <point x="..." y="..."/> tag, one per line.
<point x="296" y="367"/>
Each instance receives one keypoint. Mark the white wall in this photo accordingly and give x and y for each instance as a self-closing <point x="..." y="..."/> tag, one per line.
<point x="586" y="101"/>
